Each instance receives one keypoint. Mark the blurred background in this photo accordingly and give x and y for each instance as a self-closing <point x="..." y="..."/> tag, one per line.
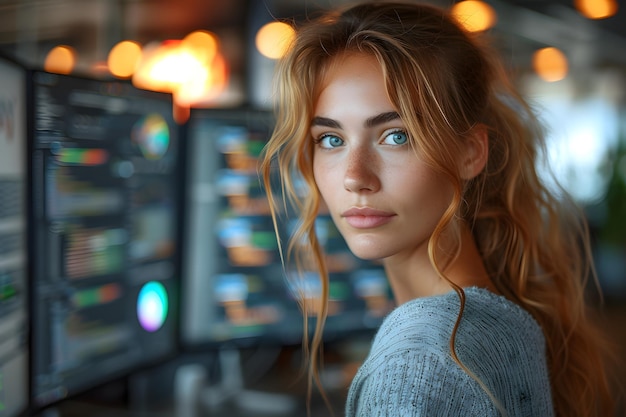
<point x="139" y="273"/>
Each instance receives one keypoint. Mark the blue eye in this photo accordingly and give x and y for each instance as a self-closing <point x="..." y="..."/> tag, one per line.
<point x="330" y="141"/>
<point x="397" y="137"/>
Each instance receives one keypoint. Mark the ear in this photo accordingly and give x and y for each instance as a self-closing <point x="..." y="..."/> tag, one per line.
<point x="476" y="152"/>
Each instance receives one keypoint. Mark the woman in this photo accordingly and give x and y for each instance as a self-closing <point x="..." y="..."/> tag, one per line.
<point x="404" y="126"/>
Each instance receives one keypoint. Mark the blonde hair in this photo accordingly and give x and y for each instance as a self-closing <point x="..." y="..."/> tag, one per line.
<point x="443" y="82"/>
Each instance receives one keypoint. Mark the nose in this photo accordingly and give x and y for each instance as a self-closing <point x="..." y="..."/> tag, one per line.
<point x="361" y="171"/>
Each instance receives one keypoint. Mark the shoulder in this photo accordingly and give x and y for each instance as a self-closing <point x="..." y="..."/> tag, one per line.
<point x="497" y="340"/>
<point x="430" y="321"/>
<point x="488" y="317"/>
<point x="409" y="370"/>
<point x="493" y="331"/>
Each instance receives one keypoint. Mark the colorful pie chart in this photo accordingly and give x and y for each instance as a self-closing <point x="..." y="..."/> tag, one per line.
<point x="152" y="134"/>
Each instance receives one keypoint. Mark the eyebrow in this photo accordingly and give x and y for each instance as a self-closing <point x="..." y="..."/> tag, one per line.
<point x="370" y="122"/>
<point x="326" y="122"/>
<point x="382" y="118"/>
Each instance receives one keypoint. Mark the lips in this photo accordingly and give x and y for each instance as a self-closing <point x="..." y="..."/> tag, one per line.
<point x="366" y="217"/>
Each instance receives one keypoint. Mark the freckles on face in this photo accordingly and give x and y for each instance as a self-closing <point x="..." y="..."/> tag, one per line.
<point x="383" y="198"/>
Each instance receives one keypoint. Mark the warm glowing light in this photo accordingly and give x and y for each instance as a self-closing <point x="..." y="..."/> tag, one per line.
<point x="550" y="64"/>
<point x="274" y="38"/>
<point x="205" y="84"/>
<point x="160" y="68"/>
<point x="176" y="67"/>
<point x="61" y="60"/>
<point x="474" y="15"/>
<point x="596" y="9"/>
<point x="181" y="113"/>
<point x="192" y="70"/>
<point x="124" y="58"/>
<point x="202" y="43"/>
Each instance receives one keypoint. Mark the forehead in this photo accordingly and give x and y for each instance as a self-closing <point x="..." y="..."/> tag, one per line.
<point x="349" y="65"/>
<point x="350" y="81"/>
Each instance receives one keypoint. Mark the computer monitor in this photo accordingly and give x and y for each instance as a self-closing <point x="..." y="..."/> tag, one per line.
<point x="106" y="206"/>
<point x="235" y="288"/>
<point x="13" y="240"/>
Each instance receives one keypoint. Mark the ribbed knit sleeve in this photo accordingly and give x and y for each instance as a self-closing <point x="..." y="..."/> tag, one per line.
<point x="410" y="370"/>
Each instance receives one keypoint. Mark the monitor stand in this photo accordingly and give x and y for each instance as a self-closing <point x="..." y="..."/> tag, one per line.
<point x="194" y="397"/>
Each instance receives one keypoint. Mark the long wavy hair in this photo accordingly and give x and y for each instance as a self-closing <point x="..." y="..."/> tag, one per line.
<point x="444" y="81"/>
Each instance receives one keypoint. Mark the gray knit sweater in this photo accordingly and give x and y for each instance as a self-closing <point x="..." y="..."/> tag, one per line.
<point x="410" y="371"/>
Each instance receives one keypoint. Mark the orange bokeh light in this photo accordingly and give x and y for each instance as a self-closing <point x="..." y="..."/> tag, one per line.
<point x="274" y="38"/>
<point x="474" y="15"/>
<point x="61" y="60"/>
<point x="124" y="58"/>
<point x="205" y="85"/>
<point x="550" y="64"/>
<point x="192" y="70"/>
<point x="203" y="44"/>
<point x="596" y="9"/>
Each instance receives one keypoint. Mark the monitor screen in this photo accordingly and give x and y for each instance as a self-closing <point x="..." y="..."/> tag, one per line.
<point x="235" y="287"/>
<point x="106" y="196"/>
<point x="13" y="246"/>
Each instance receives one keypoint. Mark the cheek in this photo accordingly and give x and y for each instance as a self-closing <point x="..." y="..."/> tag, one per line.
<point x="425" y="189"/>
<point x="329" y="187"/>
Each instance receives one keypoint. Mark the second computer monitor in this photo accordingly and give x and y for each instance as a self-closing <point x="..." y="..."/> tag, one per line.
<point x="236" y="288"/>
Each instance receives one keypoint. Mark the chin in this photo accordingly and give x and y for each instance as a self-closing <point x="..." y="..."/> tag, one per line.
<point x="369" y="257"/>
<point x="369" y="252"/>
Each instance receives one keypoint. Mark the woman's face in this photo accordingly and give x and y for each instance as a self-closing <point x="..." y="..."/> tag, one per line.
<point x="383" y="198"/>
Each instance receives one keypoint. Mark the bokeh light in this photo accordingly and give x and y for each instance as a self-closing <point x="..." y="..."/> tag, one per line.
<point x="60" y="60"/>
<point x="596" y="9"/>
<point x="205" y="84"/>
<point x="550" y="64"/>
<point x="193" y="70"/>
<point x="203" y="44"/>
<point x="274" y="38"/>
<point x="152" y="306"/>
<point x="124" y="58"/>
<point x="164" y="66"/>
<point x="474" y="15"/>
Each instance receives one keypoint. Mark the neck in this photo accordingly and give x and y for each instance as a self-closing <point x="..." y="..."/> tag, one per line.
<point x="414" y="276"/>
